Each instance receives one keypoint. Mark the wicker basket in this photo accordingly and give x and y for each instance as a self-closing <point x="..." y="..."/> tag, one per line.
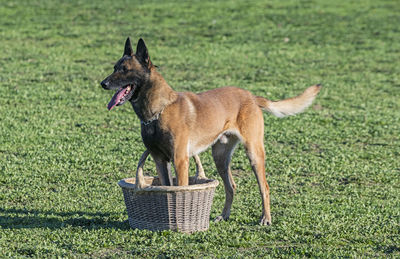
<point x="180" y="208"/>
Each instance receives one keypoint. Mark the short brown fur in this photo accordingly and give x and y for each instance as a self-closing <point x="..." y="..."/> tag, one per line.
<point x="176" y="126"/>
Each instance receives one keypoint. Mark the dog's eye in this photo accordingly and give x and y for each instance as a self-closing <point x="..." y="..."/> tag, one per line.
<point x="124" y="68"/>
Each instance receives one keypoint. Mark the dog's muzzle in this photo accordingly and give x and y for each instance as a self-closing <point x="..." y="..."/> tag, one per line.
<point x="105" y="83"/>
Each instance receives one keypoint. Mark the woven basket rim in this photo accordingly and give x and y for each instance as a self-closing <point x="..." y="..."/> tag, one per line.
<point x="128" y="183"/>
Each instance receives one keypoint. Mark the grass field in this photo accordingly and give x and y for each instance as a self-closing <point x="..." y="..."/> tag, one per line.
<point x="334" y="171"/>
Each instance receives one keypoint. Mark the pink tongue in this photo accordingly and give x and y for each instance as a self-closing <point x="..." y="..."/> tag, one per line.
<point x="116" y="98"/>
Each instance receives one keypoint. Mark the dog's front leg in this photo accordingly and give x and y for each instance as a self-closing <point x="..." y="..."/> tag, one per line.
<point x="164" y="171"/>
<point x="181" y="162"/>
<point x="182" y="170"/>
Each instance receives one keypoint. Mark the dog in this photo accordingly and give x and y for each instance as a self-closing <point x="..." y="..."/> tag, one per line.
<point x="178" y="125"/>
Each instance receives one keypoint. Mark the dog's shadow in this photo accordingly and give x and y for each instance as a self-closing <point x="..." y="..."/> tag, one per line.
<point x="23" y="218"/>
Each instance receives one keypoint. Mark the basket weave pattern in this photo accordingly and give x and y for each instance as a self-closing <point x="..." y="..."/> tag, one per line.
<point x="180" y="208"/>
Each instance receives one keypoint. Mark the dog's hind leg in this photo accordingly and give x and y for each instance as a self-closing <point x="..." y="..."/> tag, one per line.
<point x="256" y="155"/>
<point x="222" y="153"/>
<point x="252" y="132"/>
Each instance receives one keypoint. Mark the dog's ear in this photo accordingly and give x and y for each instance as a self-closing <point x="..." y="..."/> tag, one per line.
<point x="142" y="54"/>
<point x="128" y="47"/>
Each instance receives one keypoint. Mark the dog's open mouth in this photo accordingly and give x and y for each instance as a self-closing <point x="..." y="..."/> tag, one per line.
<point x="121" y="96"/>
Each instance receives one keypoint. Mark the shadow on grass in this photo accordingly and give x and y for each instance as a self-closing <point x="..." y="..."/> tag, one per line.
<point x="23" y="218"/>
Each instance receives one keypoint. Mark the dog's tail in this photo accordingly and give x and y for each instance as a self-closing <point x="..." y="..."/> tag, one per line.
<point x="290" y="106"/>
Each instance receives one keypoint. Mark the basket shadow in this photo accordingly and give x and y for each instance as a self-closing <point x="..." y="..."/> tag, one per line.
<point x="23" y="218"/>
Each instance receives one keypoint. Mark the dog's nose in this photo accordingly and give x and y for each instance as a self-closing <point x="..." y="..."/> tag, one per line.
<point x="104" y="84"/>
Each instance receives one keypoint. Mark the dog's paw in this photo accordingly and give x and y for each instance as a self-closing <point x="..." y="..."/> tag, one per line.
<point x="265" y="222"/>
<point x="220" y="218"/>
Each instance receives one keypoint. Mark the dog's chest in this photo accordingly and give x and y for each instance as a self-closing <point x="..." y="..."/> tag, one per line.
<point x="157" y="141"/>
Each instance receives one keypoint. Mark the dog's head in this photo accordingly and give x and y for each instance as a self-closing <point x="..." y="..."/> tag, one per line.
<point x="131" y="72"/>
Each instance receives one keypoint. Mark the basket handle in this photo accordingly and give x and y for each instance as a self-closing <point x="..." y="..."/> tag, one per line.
<point x="199" y="169"/>
<point x="140" y="182"/>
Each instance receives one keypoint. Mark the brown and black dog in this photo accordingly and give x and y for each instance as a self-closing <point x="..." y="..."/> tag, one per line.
<point x="178" y="125"/>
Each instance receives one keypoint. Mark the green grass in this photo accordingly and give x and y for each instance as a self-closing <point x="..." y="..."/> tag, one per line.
<point x="334" y="171"/>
